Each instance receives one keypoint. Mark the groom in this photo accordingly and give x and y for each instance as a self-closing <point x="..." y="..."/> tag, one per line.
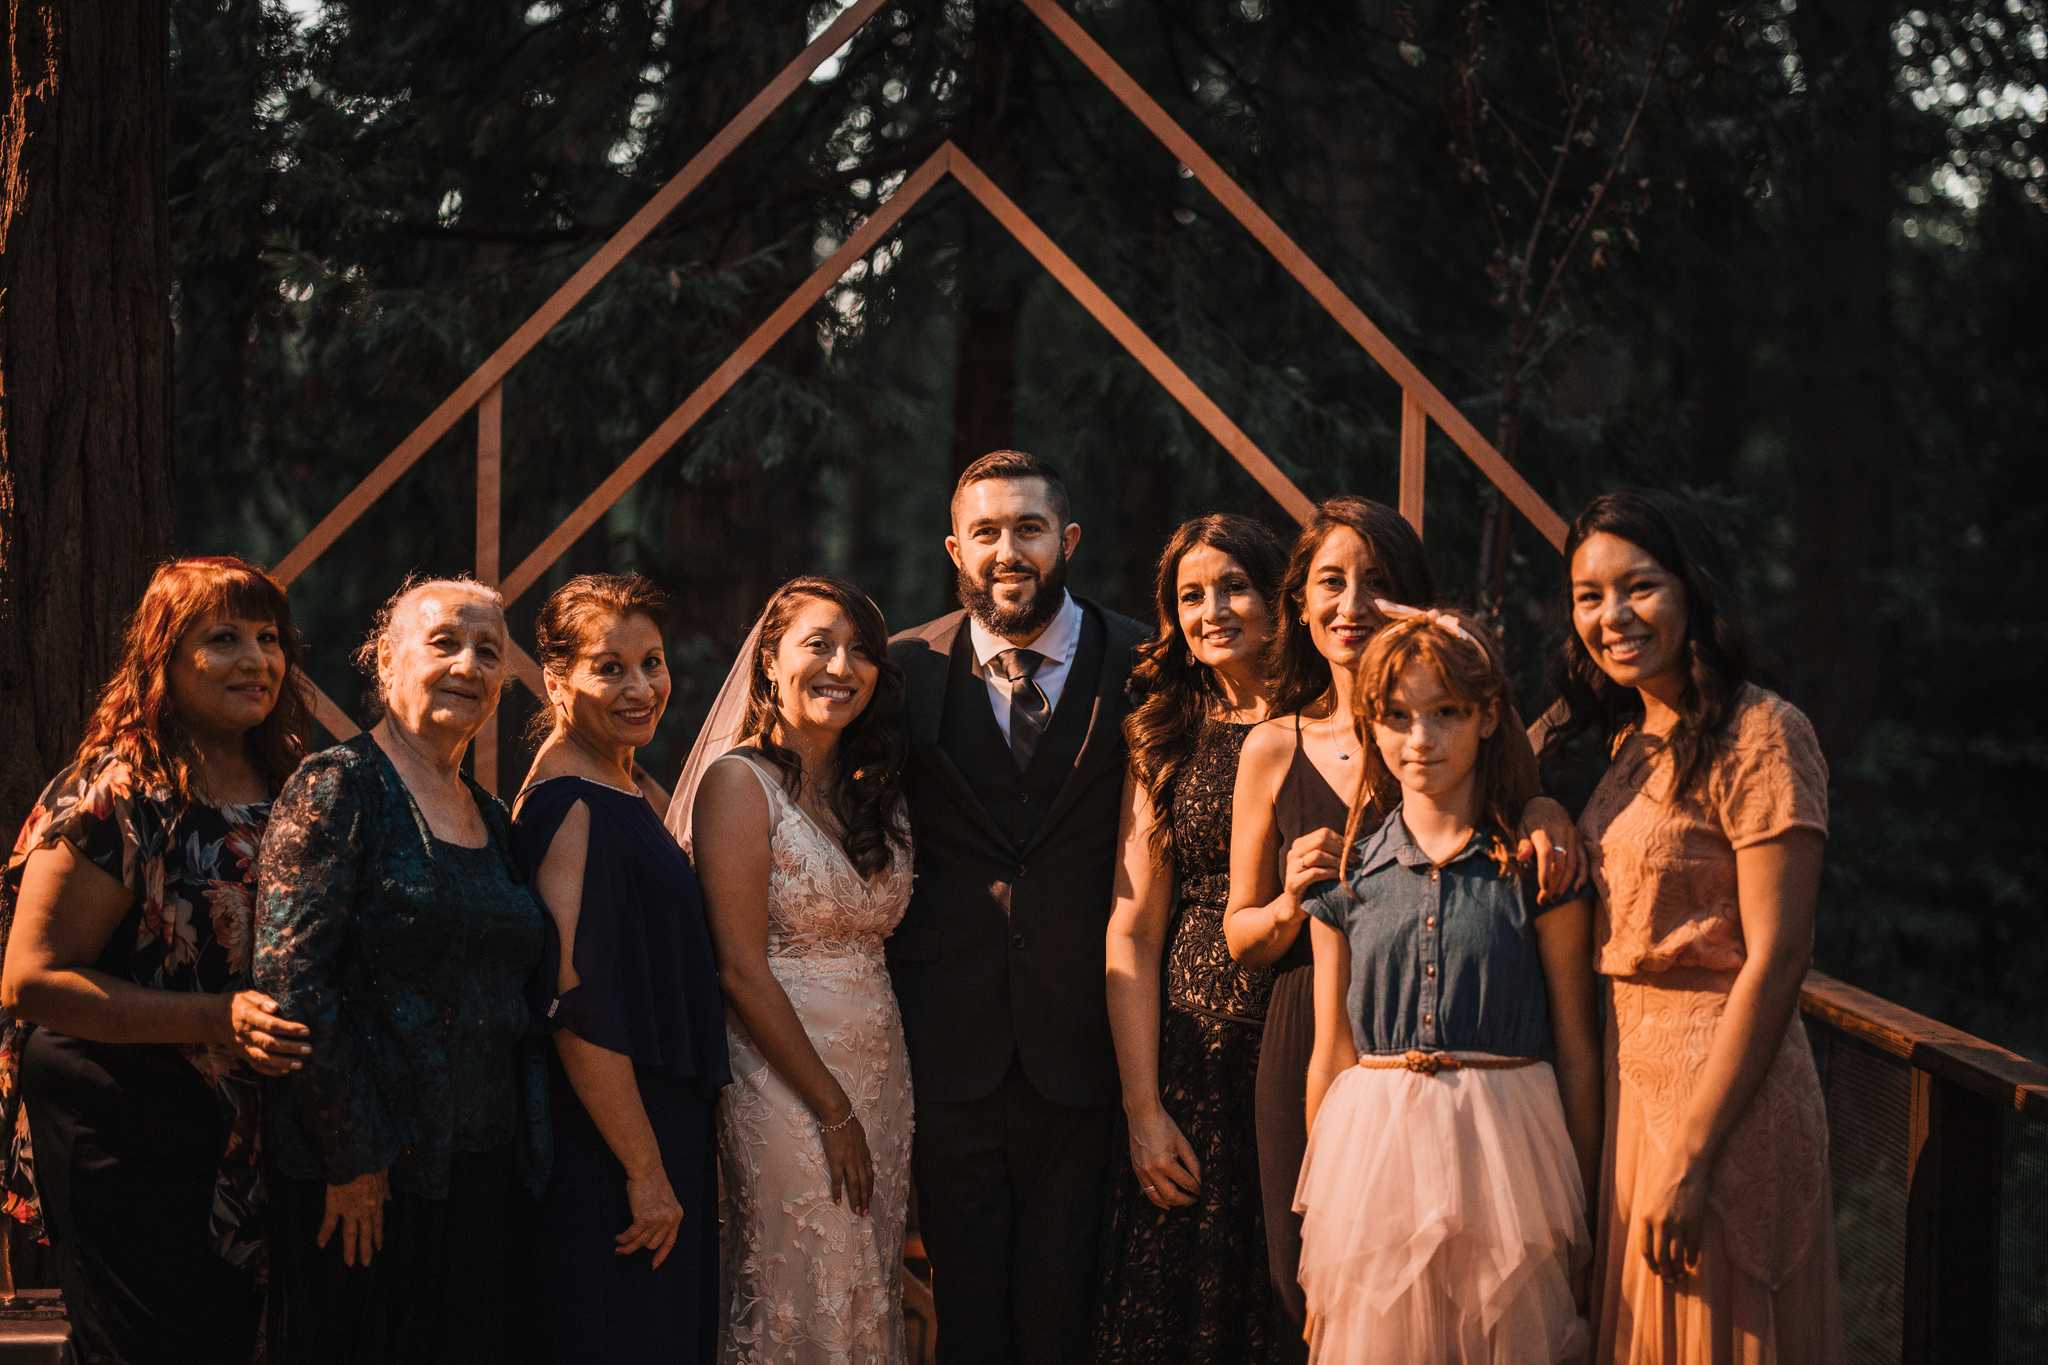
<point x="1015" y="715"/>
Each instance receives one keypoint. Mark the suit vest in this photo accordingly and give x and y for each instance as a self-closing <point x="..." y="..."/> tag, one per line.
<point x="1018" y="801"/>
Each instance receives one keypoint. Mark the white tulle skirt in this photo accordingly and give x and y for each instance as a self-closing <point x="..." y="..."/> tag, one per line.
<point x="1442" y="1220"/>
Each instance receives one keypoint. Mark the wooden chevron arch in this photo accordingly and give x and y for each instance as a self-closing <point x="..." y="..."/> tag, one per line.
<point x="1422" y="403"/>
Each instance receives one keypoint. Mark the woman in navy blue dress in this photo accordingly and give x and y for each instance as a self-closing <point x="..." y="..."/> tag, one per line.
<point x="628" y="987"/>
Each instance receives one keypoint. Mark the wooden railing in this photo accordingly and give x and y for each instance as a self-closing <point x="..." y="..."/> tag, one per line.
<point x="1939" y="1154"/>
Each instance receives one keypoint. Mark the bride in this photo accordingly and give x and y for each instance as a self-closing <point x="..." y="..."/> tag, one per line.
<point x="792" y="806"/>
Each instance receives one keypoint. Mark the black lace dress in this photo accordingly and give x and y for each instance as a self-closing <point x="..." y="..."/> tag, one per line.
<point x="1190" y="1284"/>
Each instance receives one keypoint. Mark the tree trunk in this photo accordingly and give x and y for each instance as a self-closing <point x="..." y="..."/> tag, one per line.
<point x="85" y="483"/>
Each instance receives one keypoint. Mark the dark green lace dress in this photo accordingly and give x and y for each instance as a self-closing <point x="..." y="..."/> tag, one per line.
<point x="408" y="956"/>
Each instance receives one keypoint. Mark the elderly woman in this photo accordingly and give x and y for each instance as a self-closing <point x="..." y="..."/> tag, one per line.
<point x="130" y="1033"/>
<point x="391" y="920"/>
<point x="628" y="984"/>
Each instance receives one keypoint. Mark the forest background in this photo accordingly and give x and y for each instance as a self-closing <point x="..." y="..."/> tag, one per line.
<point x="1789" y="257"/>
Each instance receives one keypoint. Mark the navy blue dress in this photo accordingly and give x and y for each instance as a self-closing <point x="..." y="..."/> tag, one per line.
<point x="647" y="987"/>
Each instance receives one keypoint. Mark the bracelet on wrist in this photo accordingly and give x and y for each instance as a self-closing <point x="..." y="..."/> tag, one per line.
<point x="825" y="1127"/>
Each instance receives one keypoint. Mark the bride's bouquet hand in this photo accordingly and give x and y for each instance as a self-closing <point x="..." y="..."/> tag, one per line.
<point x="847" y="1159"/>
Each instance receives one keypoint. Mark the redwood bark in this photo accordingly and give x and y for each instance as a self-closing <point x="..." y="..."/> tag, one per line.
<point x="85" y="359"/>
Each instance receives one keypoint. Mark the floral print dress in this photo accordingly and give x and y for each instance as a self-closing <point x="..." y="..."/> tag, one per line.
<point x="192" y="871"/>
<point x="178" y="1120"/>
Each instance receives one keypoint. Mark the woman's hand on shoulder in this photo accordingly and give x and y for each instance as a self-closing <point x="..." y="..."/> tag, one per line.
<point x="269" y="1042"/>
<point x="1549" y="836"/>
<point x="1311" y="859"/>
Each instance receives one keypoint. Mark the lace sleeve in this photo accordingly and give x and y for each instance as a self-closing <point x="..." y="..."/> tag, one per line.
<point x="1773" y="778"/>
<point x="309" y="871"/>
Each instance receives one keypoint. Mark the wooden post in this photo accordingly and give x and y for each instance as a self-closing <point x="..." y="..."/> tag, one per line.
<point x="1955" y="1166"/>
<point x="1414" y="441"/>
<point x="490" y="418"/>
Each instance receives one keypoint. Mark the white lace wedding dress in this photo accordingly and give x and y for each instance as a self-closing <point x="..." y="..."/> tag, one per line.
<point x="805" y="1279"/>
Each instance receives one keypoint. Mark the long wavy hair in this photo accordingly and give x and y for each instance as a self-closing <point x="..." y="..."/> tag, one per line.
<point x="1470" y="670"/>
<point x="1715" y="650"/>
<point x="1300" y="673"/>
<point x="867" y="793"/>
<point x="1175" y="692"/>
<point x="136" y="720"/>
<point x="573" y="614"/>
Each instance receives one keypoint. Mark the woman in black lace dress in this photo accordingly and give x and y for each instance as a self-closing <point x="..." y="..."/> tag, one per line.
<point x="1184" y="1257"/>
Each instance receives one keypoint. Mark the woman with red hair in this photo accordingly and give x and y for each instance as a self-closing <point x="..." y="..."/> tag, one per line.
<point x="131" y="1046"/>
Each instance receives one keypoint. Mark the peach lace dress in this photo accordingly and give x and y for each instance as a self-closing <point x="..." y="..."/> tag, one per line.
<point x="1668" y="935"/>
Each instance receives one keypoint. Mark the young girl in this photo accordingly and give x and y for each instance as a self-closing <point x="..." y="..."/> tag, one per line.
<point x="1454" y="1090"/>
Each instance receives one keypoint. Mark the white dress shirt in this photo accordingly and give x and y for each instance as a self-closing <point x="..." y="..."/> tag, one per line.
<point x="1058" y="643"/>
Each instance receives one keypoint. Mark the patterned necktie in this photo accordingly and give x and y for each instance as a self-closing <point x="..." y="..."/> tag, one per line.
<point x="1029" y="709"/>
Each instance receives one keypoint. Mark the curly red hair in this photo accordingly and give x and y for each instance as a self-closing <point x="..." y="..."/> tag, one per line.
<point x="135" y="721"/>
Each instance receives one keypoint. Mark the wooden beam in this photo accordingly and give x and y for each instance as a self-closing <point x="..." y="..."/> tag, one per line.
<point x="527" y="671"/>
<point x="1131" y="337"/>
<point x="1954" y="1176"/>
<point x="332" y="717"/>
<point x="700" y="401"/>
<point x="2003" y="1077"/>
<point x="1297" y="263"/>
<point x="492" y="372"/>
<point x="490" y="417"/>
<point x="1414" y="445"/>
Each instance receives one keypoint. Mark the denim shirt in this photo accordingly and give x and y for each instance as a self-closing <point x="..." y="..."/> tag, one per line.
<point x="1443" y="958"/>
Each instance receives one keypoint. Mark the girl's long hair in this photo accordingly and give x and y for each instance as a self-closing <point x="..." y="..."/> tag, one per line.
<point x="1470" y="670"/>
<point x="1175" y="692"/>
<point x="867" y="794"/>
<point x="1300" y="673"/>
<point x="135" y="719"/>
<point x="1715" y="651"/>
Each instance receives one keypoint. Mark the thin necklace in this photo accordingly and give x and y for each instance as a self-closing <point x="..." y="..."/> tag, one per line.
<point x="1342" y="757"/>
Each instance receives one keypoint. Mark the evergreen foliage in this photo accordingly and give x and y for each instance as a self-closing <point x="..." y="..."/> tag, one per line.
<point x="1809" y="291"/>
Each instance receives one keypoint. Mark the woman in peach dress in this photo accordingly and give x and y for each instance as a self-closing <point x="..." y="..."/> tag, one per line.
<point x="1716" y="1239"/>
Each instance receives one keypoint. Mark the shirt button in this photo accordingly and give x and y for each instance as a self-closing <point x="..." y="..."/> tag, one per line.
<point x="1429" y="969"/>
<point x="1016" y="940"/>
<point x="1429" y="921"/>
<point x="1429" y="1018"/>
<point x="1432" y="874"/>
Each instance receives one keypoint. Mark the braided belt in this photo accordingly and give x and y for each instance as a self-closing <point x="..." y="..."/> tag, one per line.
<point x="1429" y="1063"/>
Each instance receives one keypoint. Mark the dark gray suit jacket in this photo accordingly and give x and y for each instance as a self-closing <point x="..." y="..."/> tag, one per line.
<point x="1000" y="952"/>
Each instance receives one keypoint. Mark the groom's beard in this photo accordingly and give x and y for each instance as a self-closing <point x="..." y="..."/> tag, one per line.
<point x="1028" y="617"/>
